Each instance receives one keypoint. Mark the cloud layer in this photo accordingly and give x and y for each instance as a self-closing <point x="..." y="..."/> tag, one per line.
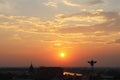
<point x="98" y="25"/>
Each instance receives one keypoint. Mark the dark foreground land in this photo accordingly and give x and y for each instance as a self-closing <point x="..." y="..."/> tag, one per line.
<point x="58" y="73"/>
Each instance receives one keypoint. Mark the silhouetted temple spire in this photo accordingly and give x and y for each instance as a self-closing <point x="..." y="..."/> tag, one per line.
<point x="31" y="68"/>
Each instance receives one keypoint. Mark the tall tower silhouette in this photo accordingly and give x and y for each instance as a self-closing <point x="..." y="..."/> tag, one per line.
<point x="92" y="62"/>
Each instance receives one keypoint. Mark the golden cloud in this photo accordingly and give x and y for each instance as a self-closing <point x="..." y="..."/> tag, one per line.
<point x="99" y="25"/>
<point x="22" y="23"/>
<point x="83" y="18"/>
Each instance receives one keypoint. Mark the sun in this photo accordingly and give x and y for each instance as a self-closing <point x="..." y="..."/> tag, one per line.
<point x="62" y="55"/>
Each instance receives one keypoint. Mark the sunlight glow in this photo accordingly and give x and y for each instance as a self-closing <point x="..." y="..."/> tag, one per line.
<point x="62" y="55"/>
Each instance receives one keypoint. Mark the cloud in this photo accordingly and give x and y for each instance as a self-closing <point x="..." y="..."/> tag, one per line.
<point x="81" y="19"/>
<point x="112" y="24"/>
<point x="5" y="5"/>
<point x="85" y="26"/>
<point x="82" y="4"/>
<point x="81" y="29"/>
<point x="70" y="3"/>
<point x="99" y="25"/>
<point x="52" y="4"/>
<point x="90" y="21"/>
<point x="16" y="37"/>
<point x="23" y="23"/>
<point x="94" y="2"/>
<point x="27" y="29"/>
<point x="117" y="41"/>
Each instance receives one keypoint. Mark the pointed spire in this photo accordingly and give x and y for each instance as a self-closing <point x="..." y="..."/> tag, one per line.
<point x="31" y="68"/>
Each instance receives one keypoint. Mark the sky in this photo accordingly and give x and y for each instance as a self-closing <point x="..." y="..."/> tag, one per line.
<point x="37" y="31"/>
